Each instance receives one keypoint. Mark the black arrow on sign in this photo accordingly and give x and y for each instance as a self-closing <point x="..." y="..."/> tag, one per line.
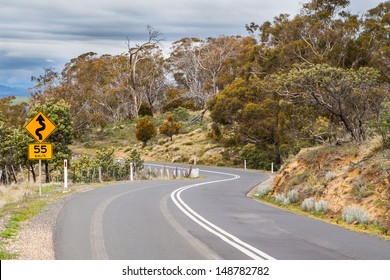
<point x="41" y="121"/>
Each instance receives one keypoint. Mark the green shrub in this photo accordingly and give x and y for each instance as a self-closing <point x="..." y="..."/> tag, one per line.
<point x="263" y="190"/>
<point x="293" y="196"/>
<point x="145" y="110"/>
<point x="381" y="126"/>
<point x="321" y="206"/>
<point x="299" y="178"/>
<point x="181" y="114"/>
<point x="355" y="214"/>
<point x="134" y="157"/>
<point x="280" y="198"/>
<point x="361" y="190"/>
<point x="257" y="158"/>
<point x="308" y="205"/>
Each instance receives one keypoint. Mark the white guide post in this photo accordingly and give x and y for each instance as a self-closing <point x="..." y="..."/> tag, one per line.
<point x="65" y="174"/>
<point x="131" y="172"/>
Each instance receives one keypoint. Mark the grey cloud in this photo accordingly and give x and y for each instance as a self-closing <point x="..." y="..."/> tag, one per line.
<point x="33" y="32"/>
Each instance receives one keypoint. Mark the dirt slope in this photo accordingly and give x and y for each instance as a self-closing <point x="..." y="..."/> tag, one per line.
<point x="343" y="176"/>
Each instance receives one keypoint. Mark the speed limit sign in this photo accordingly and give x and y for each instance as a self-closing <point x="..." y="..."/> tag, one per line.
<point x="40" y="151"/>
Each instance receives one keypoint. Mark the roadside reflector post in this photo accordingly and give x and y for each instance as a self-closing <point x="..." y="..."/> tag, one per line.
<point x="272" y="167"/>
<point x="245" y="164"/>
<point x="131" y="171"/>
<point x="65" y="174"/>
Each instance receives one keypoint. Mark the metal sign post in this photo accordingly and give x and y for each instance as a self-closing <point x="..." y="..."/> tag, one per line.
<point x="40" y="177"/>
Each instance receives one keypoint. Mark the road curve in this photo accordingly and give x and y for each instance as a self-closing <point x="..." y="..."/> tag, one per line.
<point x="206" y="218"/>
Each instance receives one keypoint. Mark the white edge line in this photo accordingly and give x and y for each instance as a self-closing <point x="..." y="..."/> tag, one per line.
<point x="238" y="243"/>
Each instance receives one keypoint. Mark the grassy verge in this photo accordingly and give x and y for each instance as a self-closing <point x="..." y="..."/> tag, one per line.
<point x="372" y="229"/>
<point x="15" y="213"/>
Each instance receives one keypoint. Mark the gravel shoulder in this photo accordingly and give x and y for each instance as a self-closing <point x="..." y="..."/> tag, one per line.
<point x="35" y="239"/>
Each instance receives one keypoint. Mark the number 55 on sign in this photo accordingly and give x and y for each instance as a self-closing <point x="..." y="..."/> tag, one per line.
<point x="40" y="151"/>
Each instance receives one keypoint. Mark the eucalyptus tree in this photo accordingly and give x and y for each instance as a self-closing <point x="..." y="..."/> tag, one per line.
<point x="374" y="40"/>
<point x="151" y="78"/>
<point x="352" y="96"/>
<point x="135" y="55"/>
<point x="323" y="32"/>
<point x="201" y="66"/>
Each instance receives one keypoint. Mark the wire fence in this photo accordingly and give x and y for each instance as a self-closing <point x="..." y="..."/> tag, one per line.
<point x="115" y="172"/>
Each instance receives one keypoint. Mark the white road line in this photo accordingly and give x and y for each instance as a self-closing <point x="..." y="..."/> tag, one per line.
<point x="232" y="240"/>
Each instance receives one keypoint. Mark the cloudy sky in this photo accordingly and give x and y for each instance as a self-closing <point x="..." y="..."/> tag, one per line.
<point x="36" y="34"/>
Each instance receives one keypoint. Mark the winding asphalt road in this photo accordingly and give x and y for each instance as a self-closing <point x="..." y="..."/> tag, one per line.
<point x="206" y="218"/>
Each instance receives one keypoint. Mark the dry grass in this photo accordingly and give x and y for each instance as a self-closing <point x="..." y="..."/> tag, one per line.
<point x="15" y="193"/>
<point x="186" y="148"/>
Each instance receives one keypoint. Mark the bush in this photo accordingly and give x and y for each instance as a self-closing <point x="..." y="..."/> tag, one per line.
<point x="170" y="127"/>
<point x="382" y="126"/>
<point x="308" y="205"/>
<point x="321" y="206"/>
<point x="280" y="198"/>
<point x="361" y="190"/>
<point x="355" y="214"/>
<point x="286" y="201"/>
<point x="263" y="190"/>
<point x="145" y="130"/>
<point x="293" y="196"/>
<point x="329" y="176"/>
<point x="134" y="156"/>
<point x="215" y="132"/>
<point x="145" y="110"/>
<point x="181" y="114"/>
<point x="257" y="158"/>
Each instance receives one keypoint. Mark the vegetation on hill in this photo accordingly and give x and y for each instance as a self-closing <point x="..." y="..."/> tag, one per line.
<point x="342" y="183"/>
<point x="318" y="78"/>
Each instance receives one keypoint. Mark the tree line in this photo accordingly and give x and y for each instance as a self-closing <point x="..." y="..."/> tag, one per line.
<point x="321" y="76"/>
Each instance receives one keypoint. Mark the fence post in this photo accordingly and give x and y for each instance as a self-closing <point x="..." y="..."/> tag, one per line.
<point x="100" y="174"/>
<point x="21" y="172"/>
<point x="6" y="174"/>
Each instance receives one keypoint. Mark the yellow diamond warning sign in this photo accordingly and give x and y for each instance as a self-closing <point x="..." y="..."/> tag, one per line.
<point x="40" y="127"/>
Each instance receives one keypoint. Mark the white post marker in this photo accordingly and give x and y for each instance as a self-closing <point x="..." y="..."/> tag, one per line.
<point x="65" y="174"/>
<point x="131" y="171"/>
<point x="272" y="167"/>
<point x="245" y="164"/>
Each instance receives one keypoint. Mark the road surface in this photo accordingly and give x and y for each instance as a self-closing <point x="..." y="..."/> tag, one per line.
<point x="205" y="218"/>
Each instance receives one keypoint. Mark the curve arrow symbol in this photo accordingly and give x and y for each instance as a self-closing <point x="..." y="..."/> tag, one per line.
<point x="41" y="121"/>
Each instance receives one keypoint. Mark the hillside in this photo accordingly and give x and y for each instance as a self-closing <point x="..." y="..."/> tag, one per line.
<point x="192" y="145"/>
<point x="341" y="177"/>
